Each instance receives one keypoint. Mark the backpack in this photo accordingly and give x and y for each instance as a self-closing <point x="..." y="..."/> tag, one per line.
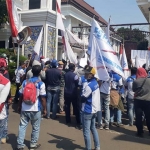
<point x="30" y="93"/>
<point x="3" y="62"/>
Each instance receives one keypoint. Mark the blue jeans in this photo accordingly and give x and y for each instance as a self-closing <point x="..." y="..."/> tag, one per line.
<point x="105" y="101"/>
<point x="131" y="111"/>
<point x="88" y="122"/>
<point x="35" y="118"/>
<point x="118" y="114"/>
<point x="52" y="97"/>
<point x="3" y="128"/>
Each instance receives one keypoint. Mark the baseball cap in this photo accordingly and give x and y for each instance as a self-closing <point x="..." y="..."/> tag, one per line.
<point x="60" y="62"/>
<point x="54" y="63"/>
<point x="89" y="69"/>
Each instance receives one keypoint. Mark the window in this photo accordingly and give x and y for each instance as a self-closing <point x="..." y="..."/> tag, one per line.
<point x="2" y="44"/>
<point x="34" y="4"/>
<point x="54" y="5"/>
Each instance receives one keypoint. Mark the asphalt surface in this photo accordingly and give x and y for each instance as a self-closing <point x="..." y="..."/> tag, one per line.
<point x="56" y="135"/>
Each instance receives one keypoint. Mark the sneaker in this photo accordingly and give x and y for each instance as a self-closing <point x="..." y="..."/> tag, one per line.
<point x="35" y="147"/>
<point x="139" y="135"/>
<point x="106" y="127"/>
<point x="119" y="124"/>
<point x="99" y="126"/>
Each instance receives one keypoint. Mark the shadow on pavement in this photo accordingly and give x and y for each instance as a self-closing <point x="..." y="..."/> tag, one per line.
<point x="64" y="143"/>
<point x="133" y="139"/>
<point x="13" y="141"/>
<point x="130" y="135"/>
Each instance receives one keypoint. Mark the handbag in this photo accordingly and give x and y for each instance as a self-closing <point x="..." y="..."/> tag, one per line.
<point x="139" y="91"/>
<point x="114" y="98"/>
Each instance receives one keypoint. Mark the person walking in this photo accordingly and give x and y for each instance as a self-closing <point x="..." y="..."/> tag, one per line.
<point x="90" y="106"/>
<point x="31" y="110"/>
<point x="70" y="94"/>
<point x="141" y="87"/>
<point x="53" y="78"/>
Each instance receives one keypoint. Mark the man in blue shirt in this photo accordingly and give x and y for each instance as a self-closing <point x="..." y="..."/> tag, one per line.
<point x="90" y="106"/>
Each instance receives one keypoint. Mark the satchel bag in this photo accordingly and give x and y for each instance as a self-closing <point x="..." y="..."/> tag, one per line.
<point x="114" y="98"/>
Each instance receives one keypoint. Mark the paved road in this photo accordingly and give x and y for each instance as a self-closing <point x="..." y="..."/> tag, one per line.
<point x="55" y="135"/>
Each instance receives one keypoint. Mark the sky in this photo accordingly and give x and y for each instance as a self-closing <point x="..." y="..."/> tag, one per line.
<point x="121" y="11"/>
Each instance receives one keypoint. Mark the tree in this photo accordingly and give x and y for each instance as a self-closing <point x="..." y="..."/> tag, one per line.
<point x="135" y="35"/>
<point x="3" y="12"/>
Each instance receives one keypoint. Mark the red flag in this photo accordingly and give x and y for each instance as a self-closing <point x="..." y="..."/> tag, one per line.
<point x="13" y="17"/>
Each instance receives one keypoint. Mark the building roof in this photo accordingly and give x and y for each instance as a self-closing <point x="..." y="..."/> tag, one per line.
<point x="85" y="8"/>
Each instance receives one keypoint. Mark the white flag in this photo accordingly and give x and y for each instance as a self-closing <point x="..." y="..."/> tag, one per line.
<point x="109" y="56"/>
<point x="59" y="21"/>
<point x="97" y="62"/>
<point x="37" y="46"/>
<point x="68" y="50"/>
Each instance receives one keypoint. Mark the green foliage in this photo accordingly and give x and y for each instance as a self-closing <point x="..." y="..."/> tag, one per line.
<point x="135" y="35"/>
<point x="3" y="12"/>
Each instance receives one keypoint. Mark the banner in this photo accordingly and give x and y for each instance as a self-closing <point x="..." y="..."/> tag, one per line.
<point x="97" y="62"/>
<point x="13" y="18"/>
<point x="37" y="47"/>
<point x="139" y="57"/>
<point x="109" y="56"/>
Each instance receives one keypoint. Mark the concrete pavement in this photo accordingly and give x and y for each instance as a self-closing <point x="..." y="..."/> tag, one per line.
<point x="55" y="135"/>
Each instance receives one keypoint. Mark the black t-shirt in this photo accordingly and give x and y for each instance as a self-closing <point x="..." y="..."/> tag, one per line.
<point x="53" y="77"/>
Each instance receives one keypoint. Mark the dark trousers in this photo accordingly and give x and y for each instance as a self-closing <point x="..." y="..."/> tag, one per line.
<point x="140" y="107"/>
<point x="17" y="93"/>
<point x="74" y="101"/>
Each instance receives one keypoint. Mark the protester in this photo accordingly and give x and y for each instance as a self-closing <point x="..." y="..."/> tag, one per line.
<point x="19" y="78"/>
<point x="90" y="107"/>
<point x="130" y="95"/>
<point x="117" y="84"/>
<point x="30" y="74"/>
<point x="53" y="78"/>
<point x="70" y="94"/>
<point x="4" y="92"/>
<point x="141" y="87"/>
<point x="31" y="112"/>
<point x="105" y="102"/>
<point x="82" y="83"/>
<point x="62" y="84"/>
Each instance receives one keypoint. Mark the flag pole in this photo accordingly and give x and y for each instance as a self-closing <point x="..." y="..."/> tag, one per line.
<point x="18" y="53"/>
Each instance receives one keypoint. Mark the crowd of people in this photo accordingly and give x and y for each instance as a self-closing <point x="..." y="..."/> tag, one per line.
<point x="42" y="88"/>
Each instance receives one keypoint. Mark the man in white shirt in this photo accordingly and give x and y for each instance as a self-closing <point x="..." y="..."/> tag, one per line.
<point x="19" y="72"/>
<point x="105" y="102"/>
<point x="31" y="112"/>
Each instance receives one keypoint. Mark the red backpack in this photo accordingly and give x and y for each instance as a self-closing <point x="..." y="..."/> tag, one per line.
<point x="3" y="62"/>
<point x="29" y="93"/>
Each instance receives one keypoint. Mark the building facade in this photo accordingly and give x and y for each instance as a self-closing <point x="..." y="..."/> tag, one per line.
<point x="36" y="14"/>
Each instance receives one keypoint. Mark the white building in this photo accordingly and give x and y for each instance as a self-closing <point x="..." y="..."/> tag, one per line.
<point x="144" y="6"/>
<point x="42" y="13"/>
